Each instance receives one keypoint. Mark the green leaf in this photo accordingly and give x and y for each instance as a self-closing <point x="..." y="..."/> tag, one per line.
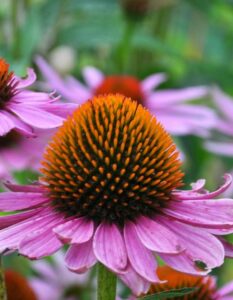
<point x="169" y="294"/>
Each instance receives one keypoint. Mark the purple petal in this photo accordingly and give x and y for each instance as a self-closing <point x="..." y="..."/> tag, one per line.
<point x="14" y="201"/>
<point x="29" y="80"/>
<point x="168" y="97"/>
<point x="152" y="81"/>
<point x="54" y="79"/>
<point x="80" y="92"/>
<point x="189" y="195"/>
<point x="198" y="185"/>
<point x="10" y="237"/>
<point x="226" y="290"/>
<point x="36" y="117"/>
<point x="76" y="231"/>
<point x="109" y="247"/>
<point x="92" y="76"/>
<point x="203" y="213"/>
<point x="220" y="148"/>
<point x="34" y="98"/>
<point x="141" y="259"/>
<point x="135" y="282"/>
<point x="41" y="243"/>
<point x="177" y="126"/>
<point x="60" y="109"/>
<point x="182" y="262"/>
<point x="79" y="258"/>
<point x="197" y="243"/>
<point x="19" y="125"/>
<point x="224" y="102"/>
<point x="228" y="247"/>
<point x="6" y="124"/>
<point x="36" y="188"/>
<point x="157" y="237"/>
<point x="8" y="220"/>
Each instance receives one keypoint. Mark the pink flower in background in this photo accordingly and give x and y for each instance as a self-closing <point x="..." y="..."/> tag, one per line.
<point x="23" y="110"/>
<point x="55" y="281"/>
<point x="224" y="124"/>
<point x="170" y="106"/>
<point x="18" y="152"/>
<point x="110" y="191"/>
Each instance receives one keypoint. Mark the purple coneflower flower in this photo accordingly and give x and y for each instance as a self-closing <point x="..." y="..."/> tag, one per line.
<point x="206" y="287"/>
<point x="22" y="110"/>
<point x="169" y="106"/>
<point x="110" y="190"/>
<point x="18" y="152"/>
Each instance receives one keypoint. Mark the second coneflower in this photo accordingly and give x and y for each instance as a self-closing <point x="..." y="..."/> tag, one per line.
<point x="109" y="190"/>
<point x="205" y="288"/>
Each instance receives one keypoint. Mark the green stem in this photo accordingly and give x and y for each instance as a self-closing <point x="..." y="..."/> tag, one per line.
<point x="124" y="47"/>
<point x="107" y="282"/>
<point x="2" y="283"/>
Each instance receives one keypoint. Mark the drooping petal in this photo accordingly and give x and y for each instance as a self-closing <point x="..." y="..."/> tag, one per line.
<point x="183" y="263"/>
<point x="152" y="81"/>
<point x="6" y="124"/>
<point x="76" y="231"/>
<point x="19" y="125"/>
<point x="41" y="243"/>
<point x="109" y="247"/>
<point x="93" y="77"/>
<point x="157" y="237"/>
<point x="134" y="281"/>
<point x="20" y="200"/>
<point x="198" y="243"/>
<point x="210" y="213"/>
<point x="10" y="237"/>
<point x="29" y="80"/>
<point x="141" y="259"/>
<point x="36" y="117"/>
<point x="79" y="258"/>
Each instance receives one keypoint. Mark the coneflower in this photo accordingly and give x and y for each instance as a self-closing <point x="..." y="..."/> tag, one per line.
<point x="110" y="190"/>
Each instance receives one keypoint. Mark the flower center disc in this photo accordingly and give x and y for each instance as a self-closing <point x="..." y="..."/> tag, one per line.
<point x="125" y="85"/>
<point x="6" y="83"/>
<point x="111" y="160"/>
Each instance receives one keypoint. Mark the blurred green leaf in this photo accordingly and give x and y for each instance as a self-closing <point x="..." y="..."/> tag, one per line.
<point x="169" y="294"/>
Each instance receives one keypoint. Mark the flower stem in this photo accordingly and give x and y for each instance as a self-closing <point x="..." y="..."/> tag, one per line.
<point x="124" y="48"/>
<point x="2" y="283"/>
<point x="107" y="282"/>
